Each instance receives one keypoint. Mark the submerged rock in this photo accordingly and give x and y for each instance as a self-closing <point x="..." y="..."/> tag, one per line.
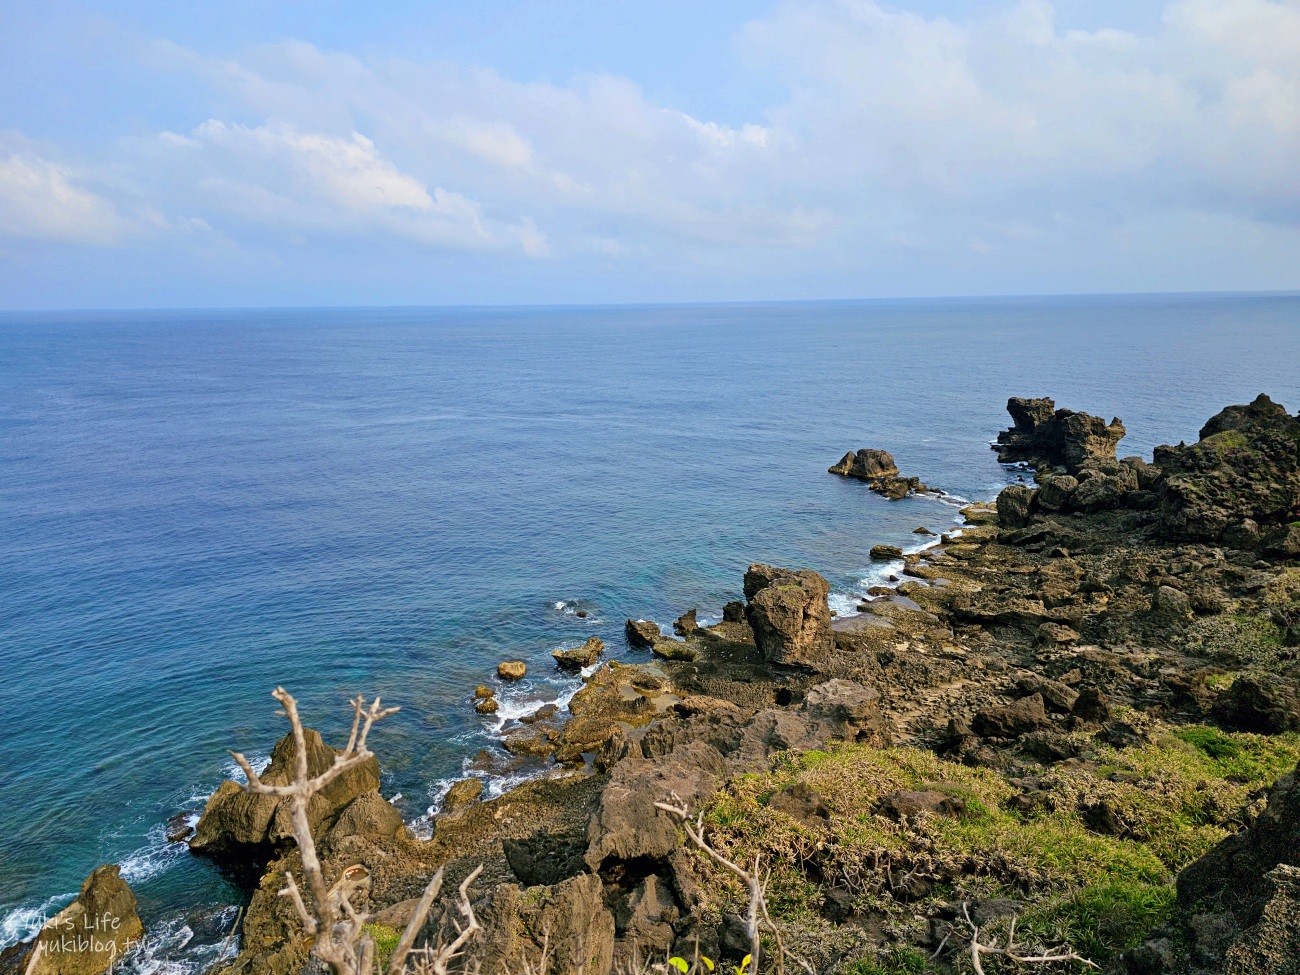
<point x="789" y="615"/>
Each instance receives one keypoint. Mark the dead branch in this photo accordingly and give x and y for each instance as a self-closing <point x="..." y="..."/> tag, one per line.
<point x="754" y="880"/>
<point x="979" y="949"/>
<point x="328" y="913"/>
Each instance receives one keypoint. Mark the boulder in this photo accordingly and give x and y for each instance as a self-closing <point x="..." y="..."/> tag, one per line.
<point x="568" y="920"/>
<point x="238" y="824"/>
<point x="1016" y="505"/>
<point x="913" y="803"/>
<point x="1263" y="706"/>
<point x="885" y="553"/>
<point x="1054" y="492"/>
<point x="579" y="657"/>
<point x="1011" y="720"/>
<point x="866" y="465"/>
<point x="512" y="669"/>
<point x="462" y="794"/>
<point x="628" y="825"/>
<point x="369" y="815"/>
<point x="642" y="634"/>
<point x="92" y="933"/>
<point x="789" y="615"/>
<point x="1171" y="603"/>
<point x="1043" y="435"/>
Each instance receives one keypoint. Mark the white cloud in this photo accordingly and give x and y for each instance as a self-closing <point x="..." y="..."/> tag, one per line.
<point x="901" y="144"/>
<point x="41" y="200"/>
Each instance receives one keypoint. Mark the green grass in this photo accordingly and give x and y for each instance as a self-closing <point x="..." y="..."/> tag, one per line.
<point x="894" y="961"/>
<point x="385" y="939"/>
<point x="1175" y="796"/>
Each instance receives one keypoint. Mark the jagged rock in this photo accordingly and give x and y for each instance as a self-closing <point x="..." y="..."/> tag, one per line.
<point x="545" y="858"/>
<point x="921" y="530"/>
<point x="487" y="705"/>
<point x="1016" y="504"/>
<point x="89" y="935"/>
<point x="1091" y="708"/>
<point x="579" y="657"/>
<point x="1044" y="435"/>
<point x="642" y="634"/>
<point x="1265" y="707"/>
<point x="1271" y="944"/>
<point x="1171" y="602"/>
<point x="462" y="794"/>
<point x="1240" y="483"/>
<point x="238" y="824"/>
<point x="537" y="742"/>
<point x="801" y="802"/>
<point x="651" y="912"/>
<point x="885" y="553"/>
<point x="789" y="615"/>
<point x="545" y="713"/>
<point x="1100" y="492"/>
<point x="1057" y="696"/>
<point x="483" y="692"/>
<point x="734" y="612"/>
<point x="512" y="669"/>
<point x="1011" y="720"/>
<point x="686" y="624"/>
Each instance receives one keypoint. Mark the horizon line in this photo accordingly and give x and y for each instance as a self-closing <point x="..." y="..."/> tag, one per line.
<point x="682" y="303"/>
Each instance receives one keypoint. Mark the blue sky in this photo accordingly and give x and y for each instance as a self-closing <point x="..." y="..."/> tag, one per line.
<point x="327" y="152"/>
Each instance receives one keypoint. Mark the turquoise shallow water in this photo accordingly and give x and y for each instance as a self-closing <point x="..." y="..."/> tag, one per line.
<point x="196" y="506"/>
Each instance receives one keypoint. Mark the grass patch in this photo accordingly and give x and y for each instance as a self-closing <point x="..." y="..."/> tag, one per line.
<point x="385" y="939"/>
<point x="893" y="961"/>
<point x="1170" y="800"/>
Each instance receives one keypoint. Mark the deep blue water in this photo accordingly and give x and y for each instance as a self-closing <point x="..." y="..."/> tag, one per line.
<point x="197" y="506"/>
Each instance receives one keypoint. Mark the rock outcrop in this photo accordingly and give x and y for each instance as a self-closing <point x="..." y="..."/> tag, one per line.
<point x="1250" y="884"/>
<point x="1239" y="484"/>
<point x="878" y="469"/>
<point x="578" y="657"/>
<point x="789" y="615"/>
<point x="1043" y="435"/>
<point x="90" y="935"/>
<point x="241" y="826"/>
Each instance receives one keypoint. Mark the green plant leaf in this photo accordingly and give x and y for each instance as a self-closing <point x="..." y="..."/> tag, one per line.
<point x="679" y="964"/>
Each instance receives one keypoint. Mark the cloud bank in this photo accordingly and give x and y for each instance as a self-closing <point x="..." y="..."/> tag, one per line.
<point x="908" y="154"/>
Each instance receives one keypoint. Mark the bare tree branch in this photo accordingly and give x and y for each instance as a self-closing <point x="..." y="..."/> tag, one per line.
<point x="979" y="949"/>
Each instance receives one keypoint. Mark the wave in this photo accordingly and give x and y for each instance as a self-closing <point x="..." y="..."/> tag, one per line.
<point x="170" y="947"/>
<point x="22" y="923"/>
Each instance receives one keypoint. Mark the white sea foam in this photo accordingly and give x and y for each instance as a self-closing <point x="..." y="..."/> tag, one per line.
<point x="168" y="949"/>
<point x="22" y="923"/>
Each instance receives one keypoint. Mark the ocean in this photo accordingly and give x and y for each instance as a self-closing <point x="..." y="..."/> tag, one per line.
<point x="196" y="506"/>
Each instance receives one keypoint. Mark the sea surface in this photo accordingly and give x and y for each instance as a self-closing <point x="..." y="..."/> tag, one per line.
<point x="198" y="506"/>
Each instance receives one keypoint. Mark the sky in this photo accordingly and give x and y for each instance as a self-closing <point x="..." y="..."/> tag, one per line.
<point x="329" y="152"/>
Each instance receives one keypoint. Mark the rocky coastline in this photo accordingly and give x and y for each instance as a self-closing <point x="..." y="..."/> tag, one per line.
<point x="1081" y="715"/>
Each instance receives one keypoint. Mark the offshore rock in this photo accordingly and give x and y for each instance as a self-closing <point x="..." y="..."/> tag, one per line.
<point x="1044" y="435"/>
<point x="91" y="934"/>
<point x="239" y="825"/>
<point x="878" y="469"/>
<point x="789" y="615"/>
